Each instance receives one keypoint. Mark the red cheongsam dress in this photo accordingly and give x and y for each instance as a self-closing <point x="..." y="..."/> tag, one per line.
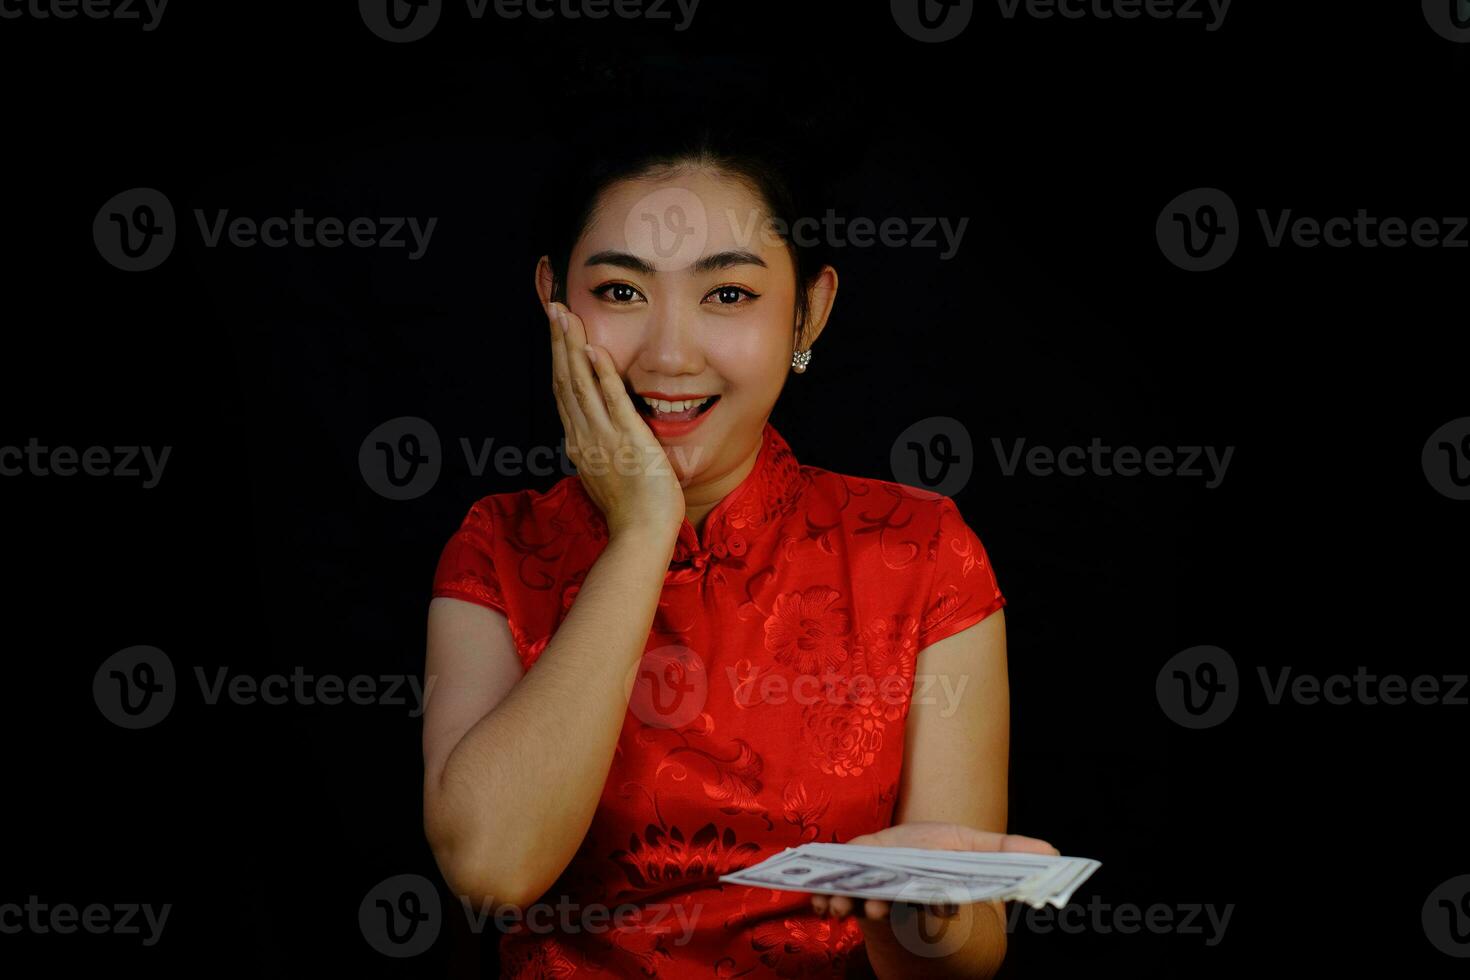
<point x="763" y="717"/>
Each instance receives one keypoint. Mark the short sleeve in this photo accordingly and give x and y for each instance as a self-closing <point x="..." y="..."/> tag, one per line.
<point x="466" y="567"/>
<point x="963" y="589"/>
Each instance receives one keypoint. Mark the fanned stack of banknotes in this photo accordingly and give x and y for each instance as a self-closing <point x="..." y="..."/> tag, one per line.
<point x="921" y="876"/>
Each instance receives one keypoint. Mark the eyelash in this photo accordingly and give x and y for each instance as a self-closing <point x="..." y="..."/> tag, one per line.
<point x="601" y="293"/>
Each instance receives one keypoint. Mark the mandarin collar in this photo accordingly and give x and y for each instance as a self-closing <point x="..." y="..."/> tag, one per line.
<point x="769" y="491"/>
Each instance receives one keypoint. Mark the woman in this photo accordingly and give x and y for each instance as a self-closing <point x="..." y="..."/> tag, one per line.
<point x="697" y="652"/>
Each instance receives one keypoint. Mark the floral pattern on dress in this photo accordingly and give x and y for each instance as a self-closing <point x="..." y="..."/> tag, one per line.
<point x="806" y="599"/>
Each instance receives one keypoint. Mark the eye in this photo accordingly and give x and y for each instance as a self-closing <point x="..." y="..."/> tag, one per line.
<point x="730" y="295"/>
<point x="617" y="293"/>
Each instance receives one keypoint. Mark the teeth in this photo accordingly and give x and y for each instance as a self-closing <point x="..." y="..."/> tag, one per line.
<point x="659" y="405"/>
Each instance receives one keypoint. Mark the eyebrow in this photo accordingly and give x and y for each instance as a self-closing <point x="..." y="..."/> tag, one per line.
<point x="719" y="260"/>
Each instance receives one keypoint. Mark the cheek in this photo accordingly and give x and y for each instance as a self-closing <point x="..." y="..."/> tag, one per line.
<point x="751" y="355"/>
<point x="603" y="334"/>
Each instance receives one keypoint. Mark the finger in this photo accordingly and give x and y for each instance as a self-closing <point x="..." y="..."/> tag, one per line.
<point x="569" y="429"/>
<point x="958" y="837"/>
<point x="1028" y="845"/>
<point x="573" y="420"/>
<point x="876" y="908"/>
<point x="819" y="904"/>
<point x="585" y="386"/>
<point x="619" y="406"/>
<point x="989" y="840"/>
<point x="841" y="905"/>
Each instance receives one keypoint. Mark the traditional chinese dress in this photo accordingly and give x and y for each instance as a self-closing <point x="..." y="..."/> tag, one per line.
<point x="769" y="708"/>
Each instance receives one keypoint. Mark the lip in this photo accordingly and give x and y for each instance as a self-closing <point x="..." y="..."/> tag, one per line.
<point x="673" y="430"/>
<point x="664" y="396"/>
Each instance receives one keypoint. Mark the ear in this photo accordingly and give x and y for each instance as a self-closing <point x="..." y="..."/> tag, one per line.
<point x="543" y="281"/>
<point x="820" y="298"/>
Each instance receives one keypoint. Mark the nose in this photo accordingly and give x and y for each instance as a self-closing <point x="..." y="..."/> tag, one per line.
<point x="671" y="342"/>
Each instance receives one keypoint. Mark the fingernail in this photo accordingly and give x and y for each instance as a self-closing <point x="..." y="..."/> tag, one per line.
<point x="591" y="354"/>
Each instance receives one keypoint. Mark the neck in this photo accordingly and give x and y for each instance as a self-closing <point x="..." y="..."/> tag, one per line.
<point x="700" y="500"/>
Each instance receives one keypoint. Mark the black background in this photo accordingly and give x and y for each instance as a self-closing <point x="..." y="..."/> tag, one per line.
<point x="263" y="549"/>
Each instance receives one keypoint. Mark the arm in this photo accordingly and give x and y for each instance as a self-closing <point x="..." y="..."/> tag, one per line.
<point x="514" y="765"/>
<point x="955" y="770"/>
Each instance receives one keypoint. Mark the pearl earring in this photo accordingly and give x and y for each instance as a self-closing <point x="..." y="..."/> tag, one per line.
<point x="800" y="359"/>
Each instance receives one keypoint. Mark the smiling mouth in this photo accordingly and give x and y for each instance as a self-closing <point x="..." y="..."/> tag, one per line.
<point x="647" y="410"/>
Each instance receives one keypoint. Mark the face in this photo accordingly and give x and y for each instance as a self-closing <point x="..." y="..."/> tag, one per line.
<point x="681" y="282"/>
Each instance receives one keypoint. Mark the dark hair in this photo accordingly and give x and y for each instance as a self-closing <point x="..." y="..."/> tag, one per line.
<point x="660" y="134"/>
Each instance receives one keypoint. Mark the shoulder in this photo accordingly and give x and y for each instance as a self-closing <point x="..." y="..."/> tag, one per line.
<point x="867" y="501"/>
<point x="522" y="553"/>
<point x="536" y="515"/>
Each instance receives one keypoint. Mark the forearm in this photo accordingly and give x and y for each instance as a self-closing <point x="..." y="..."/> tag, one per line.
<point x="978" y="956"/>
<point x="518" y="792"/>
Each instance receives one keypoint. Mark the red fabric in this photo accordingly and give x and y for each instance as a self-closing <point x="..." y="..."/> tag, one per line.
<point x="805" y="581"/>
